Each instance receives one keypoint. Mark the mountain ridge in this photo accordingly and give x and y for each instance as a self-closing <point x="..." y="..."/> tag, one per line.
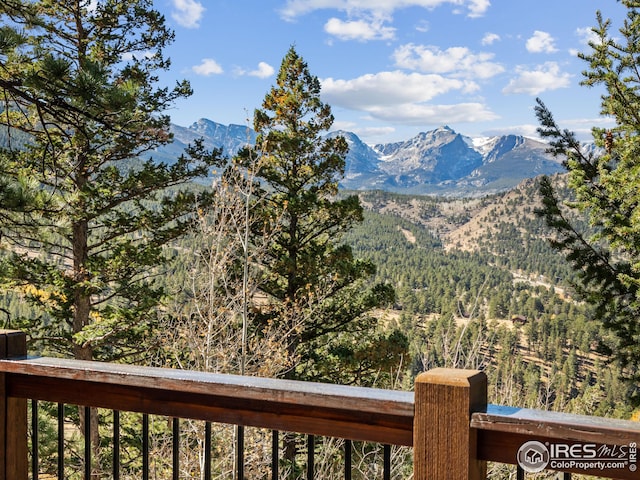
<point x="435" y="162"/>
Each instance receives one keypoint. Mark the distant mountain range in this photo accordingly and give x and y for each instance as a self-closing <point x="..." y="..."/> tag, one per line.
<point x="440" y="161"/>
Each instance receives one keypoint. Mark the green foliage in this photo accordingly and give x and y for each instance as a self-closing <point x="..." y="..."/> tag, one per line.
<point x="80" y="84"/>
<point x="314" y="284"/>
<point x="605" y="186"/>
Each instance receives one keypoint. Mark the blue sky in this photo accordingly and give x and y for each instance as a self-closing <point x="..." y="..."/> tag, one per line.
<point x="392" y="68"/>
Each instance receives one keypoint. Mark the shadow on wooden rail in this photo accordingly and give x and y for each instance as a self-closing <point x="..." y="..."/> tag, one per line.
<point x="446" y="419"/>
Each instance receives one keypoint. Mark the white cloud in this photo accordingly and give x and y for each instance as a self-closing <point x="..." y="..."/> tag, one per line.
<point x="526" y="130"/>
<point x="187" y="13"/>
<point x="457" y="61"/>
<point x="207" y="68"/>
<point x="541" y="42"/>
<point x="490" y="38"/>
<point x="421" y="114"/>
<point x="477" y="8"/>
<point x="296" y="8"/>
<point x="587" y="36"/>
<point x="387" y="88"/>
<point x="359" y="30"/>
<point x="402" y="97"/>
<point x="533" y="82"/>
<point x="264" y="70"/>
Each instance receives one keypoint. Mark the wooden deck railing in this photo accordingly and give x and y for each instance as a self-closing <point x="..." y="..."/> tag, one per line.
<point x="446" y="419"/>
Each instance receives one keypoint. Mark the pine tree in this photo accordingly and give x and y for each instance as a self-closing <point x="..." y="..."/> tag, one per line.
<point x="313" y="284"/>
<point x="17" y="193"/>
<point x="605" y="185"/>
<point x="79" y="80"/>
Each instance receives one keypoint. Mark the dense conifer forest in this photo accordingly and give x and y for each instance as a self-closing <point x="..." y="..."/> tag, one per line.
<point x="479" y="286"/>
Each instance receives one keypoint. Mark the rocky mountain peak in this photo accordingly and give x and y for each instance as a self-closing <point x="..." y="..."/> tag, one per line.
<point x="440" y="161"/>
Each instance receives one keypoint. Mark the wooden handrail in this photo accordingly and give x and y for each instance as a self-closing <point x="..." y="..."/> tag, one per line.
<point x="368" y="414"/>
<point x="556" y="425"/>
<point x="503" y="430"/>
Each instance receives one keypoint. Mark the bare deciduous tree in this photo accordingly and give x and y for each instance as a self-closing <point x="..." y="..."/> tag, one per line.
<point x="208" y="327"/>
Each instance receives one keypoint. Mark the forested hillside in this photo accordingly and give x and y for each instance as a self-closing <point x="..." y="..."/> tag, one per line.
<point x="479" y="286"/>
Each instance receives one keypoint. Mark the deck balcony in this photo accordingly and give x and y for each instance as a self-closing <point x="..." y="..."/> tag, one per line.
<point x="446" y="419"/>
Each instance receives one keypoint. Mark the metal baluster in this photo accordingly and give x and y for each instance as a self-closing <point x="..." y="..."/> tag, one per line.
<point x="275" y="454"/>
<point x="87" y="443"/>
<point x="310" y="456"/>
<point x="566" y="476"/>
<point x="60" y="441"/>
<point x="145" y="447"/>
<point x="35" y="442"/>
<point x="240" y="452"/>
<point x="176" y="449"/>
<point x="116" y="445"/>
<point x="207" y="451"/>
<point x="386" y="453"/>
<point x="347" y="459"/>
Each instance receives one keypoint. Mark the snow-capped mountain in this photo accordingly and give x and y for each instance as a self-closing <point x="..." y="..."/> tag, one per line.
<point x="431" y="157"/>
<point x="440" y="161"/>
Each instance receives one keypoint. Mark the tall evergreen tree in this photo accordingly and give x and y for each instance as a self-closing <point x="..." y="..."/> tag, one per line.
<point x="606" y="189"/>
<point x="312" y="282"/>
<point x="80" y="79"/>
<point x="16" y="193"/>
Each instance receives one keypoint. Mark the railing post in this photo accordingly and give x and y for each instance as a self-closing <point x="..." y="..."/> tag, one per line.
<point x="13" y="414"/>
<point x="444" y="444"/>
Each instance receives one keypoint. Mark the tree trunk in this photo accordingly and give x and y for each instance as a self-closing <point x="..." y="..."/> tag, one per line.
<point x="81" y="318"/>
